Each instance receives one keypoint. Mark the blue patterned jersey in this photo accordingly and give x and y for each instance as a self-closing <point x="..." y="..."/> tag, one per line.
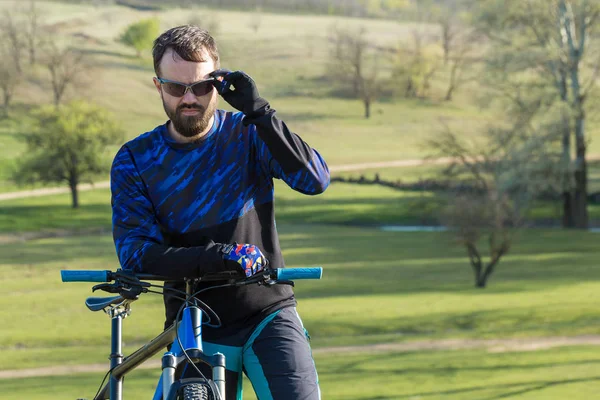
<point x="173" y="204"/>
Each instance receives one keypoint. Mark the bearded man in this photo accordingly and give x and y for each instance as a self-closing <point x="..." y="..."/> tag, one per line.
<point x="195" y="196"/>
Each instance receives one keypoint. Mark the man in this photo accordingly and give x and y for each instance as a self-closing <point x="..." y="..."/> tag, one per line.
<point x="195" y="195"/>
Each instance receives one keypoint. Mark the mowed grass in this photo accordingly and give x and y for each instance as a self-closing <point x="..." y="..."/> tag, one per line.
<point x="447" y="375"/>
<point x="377" y="287"/>
<point x="341" y="204"/>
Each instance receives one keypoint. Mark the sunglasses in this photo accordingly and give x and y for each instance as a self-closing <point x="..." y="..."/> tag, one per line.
<point x="178" y="89"/>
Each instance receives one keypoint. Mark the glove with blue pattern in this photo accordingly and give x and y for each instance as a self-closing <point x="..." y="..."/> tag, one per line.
<point x="247" y="256"/>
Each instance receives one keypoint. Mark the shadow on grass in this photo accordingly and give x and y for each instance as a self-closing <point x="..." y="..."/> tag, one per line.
<point x="512" y="390"/>
<point x="29" y="218"/>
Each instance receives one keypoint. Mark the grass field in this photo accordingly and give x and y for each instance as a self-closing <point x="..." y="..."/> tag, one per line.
<point x="423" y="281"/>
<point x="377" y="287"/>
<point x="449" y="375"/>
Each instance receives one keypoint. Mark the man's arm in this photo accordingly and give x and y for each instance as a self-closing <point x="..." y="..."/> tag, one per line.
<point x="286" y="156"/>
<point x="301" y="167"/>
<point x="137" y="235"/>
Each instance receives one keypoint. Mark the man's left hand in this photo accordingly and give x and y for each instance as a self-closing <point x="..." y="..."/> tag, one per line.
<point x="244" y="94"/>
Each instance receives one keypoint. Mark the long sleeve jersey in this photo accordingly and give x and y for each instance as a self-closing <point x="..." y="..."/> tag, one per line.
<point x="172" y="202"/>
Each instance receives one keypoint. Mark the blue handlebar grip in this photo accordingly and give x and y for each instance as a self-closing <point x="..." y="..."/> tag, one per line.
<point x="290" y="274"/>
<point x="84" y="276"/>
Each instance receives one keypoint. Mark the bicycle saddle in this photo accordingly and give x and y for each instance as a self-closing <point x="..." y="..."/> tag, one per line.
<point x="99" y="303"/>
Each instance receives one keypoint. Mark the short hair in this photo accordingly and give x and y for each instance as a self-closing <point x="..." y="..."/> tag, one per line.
<point x="189" y="42"/>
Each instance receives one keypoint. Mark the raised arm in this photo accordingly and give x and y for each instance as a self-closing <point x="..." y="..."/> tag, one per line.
<point x="285" y="154"/>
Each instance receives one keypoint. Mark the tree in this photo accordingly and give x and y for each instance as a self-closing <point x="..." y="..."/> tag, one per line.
<point x="354" y="61"/>
<point x="415" y="67"/>
<point x="541" y="44"/>
<point x="9" y="28"/>
<point x="417" y="62"/>
<point x="255" y="20"/>
<point x="10" y="78"/>
<point x="495" y="183"/>
<point x="32" y="31"/>
<point x="140" y="35"/>
<point x="65" y="66"/>
<point x="69" y="146"/>
<point x="460" y="61"/>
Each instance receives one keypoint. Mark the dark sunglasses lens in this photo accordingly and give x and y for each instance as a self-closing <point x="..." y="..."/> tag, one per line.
<point x="202" y="88"/>
<point x="174" y="89"/>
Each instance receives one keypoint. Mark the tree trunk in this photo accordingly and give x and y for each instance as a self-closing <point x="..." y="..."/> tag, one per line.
<point x="476" y="264"/>
<point x="74" y="193"/>
<point x="367" y="103"/>
<point x="449" y="93"/>
<point x="7" y="98"/>
<point x="580" y="192"/>
<point x="568" y="220"/>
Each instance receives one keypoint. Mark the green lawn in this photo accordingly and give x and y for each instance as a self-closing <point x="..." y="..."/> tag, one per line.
<point x="445" y="375"/>
<point x="377" y="287"/>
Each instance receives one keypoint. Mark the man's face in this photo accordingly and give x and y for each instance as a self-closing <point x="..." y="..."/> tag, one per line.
<point x="190" y="114"/>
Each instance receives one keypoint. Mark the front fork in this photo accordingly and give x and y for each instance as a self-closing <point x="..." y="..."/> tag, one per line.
<point x="190" y="338"/>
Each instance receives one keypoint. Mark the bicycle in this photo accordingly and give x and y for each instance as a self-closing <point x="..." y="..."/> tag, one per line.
<point x="184" y="336"/>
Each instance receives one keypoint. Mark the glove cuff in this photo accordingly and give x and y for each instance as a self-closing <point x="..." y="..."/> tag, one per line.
<point x="263" y="109"/>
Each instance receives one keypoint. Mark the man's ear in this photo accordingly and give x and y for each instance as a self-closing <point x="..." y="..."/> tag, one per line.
<point x="157" y="84"/>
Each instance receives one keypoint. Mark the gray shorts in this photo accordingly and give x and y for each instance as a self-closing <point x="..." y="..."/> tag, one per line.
<point x="275" y="355"/>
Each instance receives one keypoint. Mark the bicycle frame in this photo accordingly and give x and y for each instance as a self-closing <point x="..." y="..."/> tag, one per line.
<point x="189" y="335"/>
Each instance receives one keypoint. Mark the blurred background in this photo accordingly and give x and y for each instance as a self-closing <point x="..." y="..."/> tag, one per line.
<point x="459" y="236"/>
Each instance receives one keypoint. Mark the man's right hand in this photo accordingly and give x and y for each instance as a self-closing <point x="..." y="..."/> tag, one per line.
<point x="247" y="256"/>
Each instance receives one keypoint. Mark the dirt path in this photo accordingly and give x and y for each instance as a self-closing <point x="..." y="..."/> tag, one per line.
<point x="491" y="345"/>
<point x="338" y="168"/>
<point x="334" y="168"/>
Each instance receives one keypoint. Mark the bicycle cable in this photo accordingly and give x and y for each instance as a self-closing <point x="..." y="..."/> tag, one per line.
<point x="208" y="311"/>
<point x="102" y="383"/>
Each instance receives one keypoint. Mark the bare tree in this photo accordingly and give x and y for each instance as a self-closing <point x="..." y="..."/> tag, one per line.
<point x="416" y="65"/>
<point x="32" y="31"/>
<point x="9" y="79"/>
<point x="66" y="67"/>
<point x="255" y="20"/>
<point x="495" y="182"/>
<point x="418" y="60"/>
<point x="355" y="60"/>
<point x="461" y="61"/>
<point x="450" y="25"/>
<point x="10" y="30"/>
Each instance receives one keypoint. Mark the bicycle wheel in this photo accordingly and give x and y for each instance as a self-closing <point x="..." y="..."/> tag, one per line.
<point x="196" y="391"/>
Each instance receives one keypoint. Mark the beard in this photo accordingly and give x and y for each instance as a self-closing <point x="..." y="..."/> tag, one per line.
<point x="190" y="126"/>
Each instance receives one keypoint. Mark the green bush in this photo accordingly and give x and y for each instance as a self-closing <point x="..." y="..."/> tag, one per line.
<point x="140" y="35"/>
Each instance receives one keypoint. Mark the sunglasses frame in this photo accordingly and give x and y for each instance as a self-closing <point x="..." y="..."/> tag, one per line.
<point x="187" y="87"/>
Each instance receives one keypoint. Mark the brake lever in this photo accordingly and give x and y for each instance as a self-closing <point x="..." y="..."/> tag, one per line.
<point x="108" y="287"/>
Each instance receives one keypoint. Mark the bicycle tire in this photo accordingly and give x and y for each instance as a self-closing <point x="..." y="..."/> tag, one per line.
<point x="196" y="391"/>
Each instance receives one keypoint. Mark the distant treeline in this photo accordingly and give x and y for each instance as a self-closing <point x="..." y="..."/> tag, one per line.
<point x="354" y="8"/>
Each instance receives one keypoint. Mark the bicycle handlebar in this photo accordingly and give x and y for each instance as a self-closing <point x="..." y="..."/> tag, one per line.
<point x="291" y="274"/>
<point x="277" y="274"/>
<point x="85" y="276"/>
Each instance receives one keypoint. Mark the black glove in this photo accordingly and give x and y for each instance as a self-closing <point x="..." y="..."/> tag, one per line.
<point x="244" y="97"/>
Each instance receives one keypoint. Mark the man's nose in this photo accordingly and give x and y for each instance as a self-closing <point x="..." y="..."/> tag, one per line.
<point x="189" y="97"/>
